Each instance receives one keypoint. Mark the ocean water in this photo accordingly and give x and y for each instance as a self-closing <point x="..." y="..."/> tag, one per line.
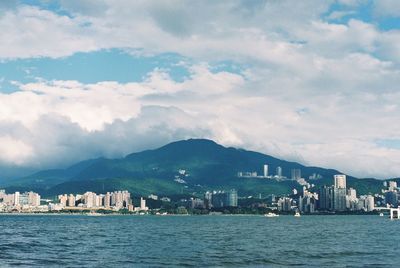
<point x="198" y="241"/>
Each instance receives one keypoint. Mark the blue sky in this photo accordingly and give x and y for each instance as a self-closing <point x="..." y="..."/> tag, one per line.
<point x="309" y="81"/>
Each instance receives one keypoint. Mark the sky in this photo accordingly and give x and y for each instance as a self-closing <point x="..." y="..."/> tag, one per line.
<point x="316" y="82"/>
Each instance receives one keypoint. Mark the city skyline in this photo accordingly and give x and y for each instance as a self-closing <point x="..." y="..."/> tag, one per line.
<point x="335" y="198"/>
<point x="311" y="81"/>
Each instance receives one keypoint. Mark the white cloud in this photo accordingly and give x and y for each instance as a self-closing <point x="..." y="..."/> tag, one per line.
<point x="328" y="126"/>
<point x="387" y="8"/>
<point x="313" y="90"/>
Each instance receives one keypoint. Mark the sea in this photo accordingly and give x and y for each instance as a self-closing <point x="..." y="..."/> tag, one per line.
<point x="198" y="241"/>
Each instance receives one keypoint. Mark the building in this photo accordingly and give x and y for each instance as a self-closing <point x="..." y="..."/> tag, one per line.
<point x="279" y="172"/>
<point x="62" y="199"/>
<point x="340" y="181"/>
<point x="285" y="204"/>
<point x="392" y="198"/>
<point x="107" y="200"/>
<point x="351" y="199"/>
<point x="71" y="200"/>
<point x="352" y="193"/>
<point x="307" y="203"/>
<point x="153" y="196"/>
<point x="231" y="198"/>
<point x="221" y="199"/>
<point x="196" y="203"/>
<point x="339" y="199"/>
<point x="325" y="198"/>
<point x="392" y="185"/>
<point x="265" y="171"/>
<point x="33" y="199"/>
<point x="369" y="203"/>
<point x="296" y="174"/>
<point x="16" y="198"/>
<point x="208" y="199"/>
<point x="143" y="204"/>
<point x="366" y="203"/>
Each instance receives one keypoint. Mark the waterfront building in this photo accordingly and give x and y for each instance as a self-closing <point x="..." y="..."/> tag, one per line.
<point x="142" y="205"/>
<point x="89" y="199"/>
<point x="340" y="181"/>
<point x="218" y="199"/>
<point x="71" y="200"/>
<point x="196" y="203"/>
<point x="370" y="203"/>
<point x="351" y="199"/>
<point x="23" y="199"/>
<point x="339" y="199"/>
<point x="62" y="199"/>
<point x="16" y="198"/>
<point x="352" y="193"/>
<point x="8" y="199"/>
<point x="231" y="198"/>
<point x="366" y="203"/>
<point x="33" y="199"/>
<point x="285" y="204"/>
<point x="325" y="198"/>
<point x="208" y="199"/>
<point x="107" y="200"/>
<point x="307" y="203"/>
<point x="99" y="200"/>
<point x="221" y="199"/>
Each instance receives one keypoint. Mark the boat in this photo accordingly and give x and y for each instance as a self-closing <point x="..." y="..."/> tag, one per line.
<point x="297" y="214"/>
<point x="271" y="215"/>
<point x="381" y="214"/>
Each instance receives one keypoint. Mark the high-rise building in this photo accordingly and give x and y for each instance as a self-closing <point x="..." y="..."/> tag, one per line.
<point x="89" y="199"/>
<point x="351" y="199"/>
<point x="71" y="200"/>
<point x="392" y="198"/>
<point x="340" y="181"/>
<point x="339" y="199"/>
<point x="265" y="171"/>
<point x="231" y="198"/>
<point x="296" y="174"/>
<point x="221" y="199"/>
<point x="16" y="198"/>
<point x="352" y="193"/>
<point x="325" y="198"/>
<point x="33" y="199"/>
<point x="279" y="172"/>
<point x="107" y="200"/>
<point x="208" y="199"/>
<point x="218" y="199"/>
<point x="307" y="203"/>
<point x="62" y="199"/>
<point x="143" y="204"/>
<point x="285" y="204"/>
<point x="369" y="203"/>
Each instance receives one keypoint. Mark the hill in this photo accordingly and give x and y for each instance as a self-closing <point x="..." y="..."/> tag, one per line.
<point x="188" y="166"/>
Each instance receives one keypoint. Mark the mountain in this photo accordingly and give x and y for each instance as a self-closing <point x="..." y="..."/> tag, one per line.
<point x="187" y="166"/>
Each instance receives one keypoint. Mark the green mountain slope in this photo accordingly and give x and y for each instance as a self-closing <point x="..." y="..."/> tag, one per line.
<point x="206" y="165"/>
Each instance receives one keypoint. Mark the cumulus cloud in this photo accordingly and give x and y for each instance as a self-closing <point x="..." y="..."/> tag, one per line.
<point x="310" y="89"/>
<point x="70" y="121"/>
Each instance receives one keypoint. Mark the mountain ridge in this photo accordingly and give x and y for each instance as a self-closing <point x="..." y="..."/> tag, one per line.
<point x="207" y="165"/>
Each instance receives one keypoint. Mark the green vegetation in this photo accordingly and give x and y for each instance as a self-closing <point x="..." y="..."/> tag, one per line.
<point x="208" y="166"/>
